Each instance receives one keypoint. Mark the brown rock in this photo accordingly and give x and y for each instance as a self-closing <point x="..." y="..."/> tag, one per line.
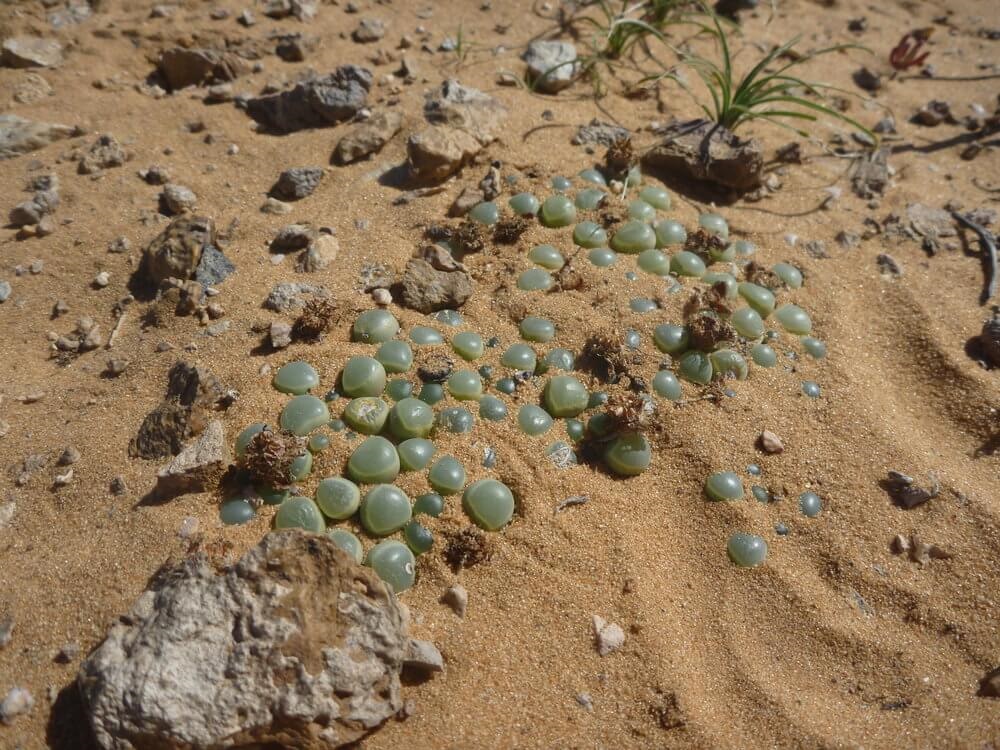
<point x="177" y="250"/>
<point x="771" y="443"/>
<point x="731" y="162"/>
<point x="182" y="67"/>
<point x="31" y="52"/>
<point x="435" y="281"/>
<point x="368" y="137"/>
<point x="162" y="432"/>
<point x="104" y="153"/>
<point x="436" y="153"/>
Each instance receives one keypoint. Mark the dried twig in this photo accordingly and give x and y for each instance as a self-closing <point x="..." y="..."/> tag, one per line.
<point x="988" y="242"/>
<point x="571" y="501"/>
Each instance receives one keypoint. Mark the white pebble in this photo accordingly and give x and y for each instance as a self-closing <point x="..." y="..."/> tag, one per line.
<point x="102" y="279"/>
<point x="791" y="239"/>
<point x="18" y="701"/>
<point x="609" y="635"/>
<point x="382" y="297"/>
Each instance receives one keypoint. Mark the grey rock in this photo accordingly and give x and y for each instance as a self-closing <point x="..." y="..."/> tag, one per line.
<point x="214" y="267"/>
<point x="177" y="251"/>
<point x="457" y="598"/>
<point x="294" y="47"/>
<point x="297" y="183"/>
<point x="368" y="30"/>
<point x="423" y="656"/>
<point x="427" y="288"/>
<point x="7" y="623"/>
<point x="274" y="207"/>
<point x="280" y="334"/>
<point x="69" y="456"/>
<point x="32" y="88"/>
<point x="30" y="52"/>
<point x="20" y="136"/>
<point x="468" y="198"/>
<point x="295" y="645"/>
<point x="5" y="291"/>
<point x="198" y="466"/>
<point x="7" y="509"/>
<point x="467" y="109"/>
<point x="182" y="67"/>
<point x="18" y="701"/>
<point x="871" y="174"/>
<point x="552" y="66"/>
<point x="599" y="133"/>
<point x="930" y="223"/>
<point x="292" y="237"/>
<point x="316" y="102"/>
<point x="732" y="162"/>
<point x="368" y="137"/>
<point x="155" y="175"/>
<point x="177" y="199"/>
<point x="104" y="153"/>
<point x="989" y="339"/>
<point x="288" y="296"/>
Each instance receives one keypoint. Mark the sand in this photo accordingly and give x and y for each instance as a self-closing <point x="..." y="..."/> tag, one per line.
<point x="834" y="642"/>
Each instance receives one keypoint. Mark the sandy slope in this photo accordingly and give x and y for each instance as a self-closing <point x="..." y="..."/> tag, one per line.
<point x="716" y="656"/>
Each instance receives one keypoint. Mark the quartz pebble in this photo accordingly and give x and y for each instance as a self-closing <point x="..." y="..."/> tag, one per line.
<point x="608" y="636"/>
<point x="457" y="598"/>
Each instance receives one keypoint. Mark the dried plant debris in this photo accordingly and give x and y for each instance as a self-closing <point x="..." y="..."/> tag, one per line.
<point x="907" y="493"/>
<point x="609" y="355"/>
<point x="318" y="316"/>
<point x="918" y="550"/>
<point x="509" y="229"/>
<point x="620" y="158"/>
<point x="708" y="332"/>
<point x="470" y="237"/>
<point x="269" y="455"/>
<point x="466" y="548"/>
<point x="632" y="412"/>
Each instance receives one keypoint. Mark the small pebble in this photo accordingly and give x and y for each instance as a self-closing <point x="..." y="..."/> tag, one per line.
<point x="770" y="442"/>
<point x="18" y="701"/>
<point x="102" y="279"/>
<point x="457" y="598"/>
<point x="609" y="636"/>
<point x="382" y="297"/>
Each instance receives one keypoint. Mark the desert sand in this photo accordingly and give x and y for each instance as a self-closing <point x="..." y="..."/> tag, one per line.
<point x="836" y="641"/>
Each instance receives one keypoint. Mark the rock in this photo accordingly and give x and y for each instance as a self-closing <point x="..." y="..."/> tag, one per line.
<point x="293" y="237"/>
<point x="368" y="137"/>
<point x="933" y="114"/>
<point x="599" y="133"/>
<point x="930" y="223"/>
<point x="6" y="625"/>
<point x="30" y="52"/>
<point x="888" y="266"/>
<point x="989" y="685"/>
<point x="319" y="255"/>
<point x="989" y="339"/>
<point x="867" y="79"/>
<point x="7" y="511"/>
<point x="457" y="598"/>
<point x="294" y="646"/>
<point x="155" y="175"/>
<point x="427" y="288"/>
<point x="316" y="102"/>
<point x="423" y="657"/>
<point x="198" y="466"/>
<point x="294" y="47"/>
<point x="102" y="279"/>
<point x="177" y="251"/>
<point x="771" y="443"/>
<point x="20" y="136"/>
<point x="181" y="67"/>
<point x="104" y="153"/>
<point x="608" y="635"/>
<point x="466" y="109"/>
<point x="552" y="66"/>
<point x="162" y="432"/>
<point x="213" y="268"/>
<point x="69" y="456"/>
<point x="220" y="93"/>
<point x="468" y="198"/>
<point x="382" y="297"/>
<point x="5" y="291"/>
<point x="436" y="153"/>
<point x="297" y="183"/>
<point x="288" y="296"/>
<point x="17" y="702"/>
<point x="177" y="199"/>
<point x="731" y="162"/>
<point x="280" y="334"/>
<point x="275" y="207"/>
<point x="871" y="174"/>
<point x="32" y="88"/>
<point x="368" y="30"/>
<point x="67" y="653"/>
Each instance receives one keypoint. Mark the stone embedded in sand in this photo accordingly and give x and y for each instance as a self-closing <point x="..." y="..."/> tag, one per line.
<point x="315" y="102"/>
<point x="771" y="443"/>
<point x="989" y="340"/>
<point x="104" y="153"/>
<point x="18" y="701"/>
<point x="436" y="153"/>
<point x="552" y="65"/>
<point x="20" y="136"/>
<point x="608" y="636"/>
<point x="295" y="645"/>
<point x="182" y="67"/>
<point x="433" y="280"/>
<point x="197" y="466"/>
<point x="598" y="133"/>
<point x="30" y="52"/>
<point x="732" y="162"/>
<point x="368" y="137"/>
<point x="177" y="199"/>
<point x="177" y="250"/>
